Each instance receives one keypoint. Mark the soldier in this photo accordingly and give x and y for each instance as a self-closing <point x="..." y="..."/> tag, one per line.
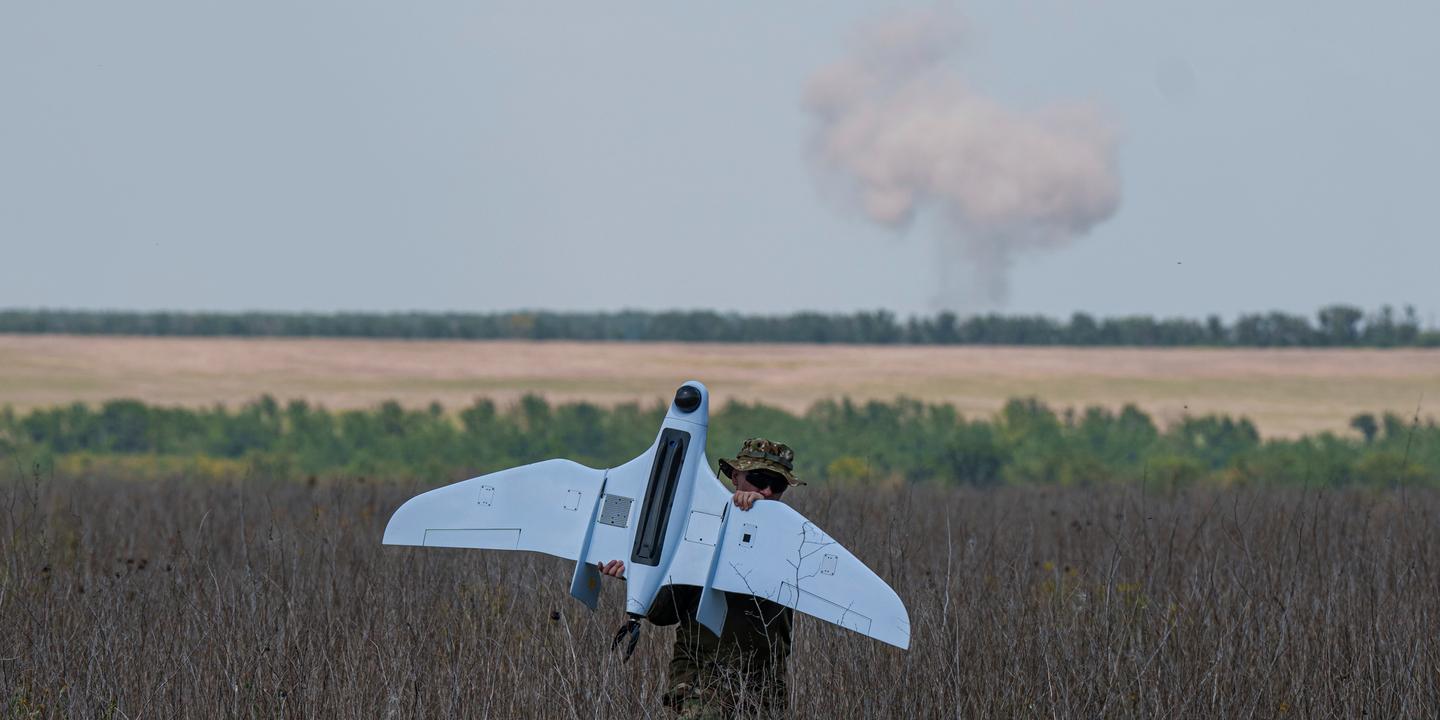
<point x="741" y="672"/>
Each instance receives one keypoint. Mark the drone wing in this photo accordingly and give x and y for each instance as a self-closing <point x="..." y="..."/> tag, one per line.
<point x="773" y="552"/>
<point x="545" y="507"/>
<point x="565" y="509"/>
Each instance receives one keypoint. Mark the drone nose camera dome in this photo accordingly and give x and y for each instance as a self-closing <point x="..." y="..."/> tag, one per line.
<point x="687" y="398"/>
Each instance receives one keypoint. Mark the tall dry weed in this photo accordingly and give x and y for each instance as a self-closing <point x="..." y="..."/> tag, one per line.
<point x="188" y="598"/>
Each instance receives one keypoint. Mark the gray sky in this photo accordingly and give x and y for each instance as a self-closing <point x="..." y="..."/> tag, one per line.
<point x="444" y="156"/>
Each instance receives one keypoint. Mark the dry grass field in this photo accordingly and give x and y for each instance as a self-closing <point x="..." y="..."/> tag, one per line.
<point x="1286" y="392"/>
<point x="190" y="598"/>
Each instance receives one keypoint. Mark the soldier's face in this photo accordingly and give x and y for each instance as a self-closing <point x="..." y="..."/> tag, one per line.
<point x="743" y="484"/>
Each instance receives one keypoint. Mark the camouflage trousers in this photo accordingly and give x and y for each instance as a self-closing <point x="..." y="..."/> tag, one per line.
<point x="708" y="682"/>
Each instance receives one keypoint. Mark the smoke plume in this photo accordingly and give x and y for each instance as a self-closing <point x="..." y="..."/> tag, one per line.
<point x="904" y="133"/>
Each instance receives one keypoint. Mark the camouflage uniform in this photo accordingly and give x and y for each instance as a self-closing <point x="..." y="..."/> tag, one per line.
<point x="741" y="673"/>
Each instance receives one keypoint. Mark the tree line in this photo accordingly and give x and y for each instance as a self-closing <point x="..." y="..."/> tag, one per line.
<point x="836" y="441"/>
<point x="1332" y="326"/>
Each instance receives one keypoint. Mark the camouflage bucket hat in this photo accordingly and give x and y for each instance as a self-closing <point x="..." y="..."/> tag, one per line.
<point x="761" y="454"/>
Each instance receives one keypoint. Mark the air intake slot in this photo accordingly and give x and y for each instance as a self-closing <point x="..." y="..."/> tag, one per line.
<point x="655" y="514"/>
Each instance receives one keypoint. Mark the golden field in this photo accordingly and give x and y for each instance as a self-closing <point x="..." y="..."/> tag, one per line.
<point x="1286" y="392"/>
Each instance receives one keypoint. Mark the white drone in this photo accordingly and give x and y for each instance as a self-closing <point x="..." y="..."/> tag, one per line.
<point x="675" y="523"/>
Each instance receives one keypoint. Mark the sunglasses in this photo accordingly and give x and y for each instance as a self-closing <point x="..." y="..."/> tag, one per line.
<point x="762" y="479"/>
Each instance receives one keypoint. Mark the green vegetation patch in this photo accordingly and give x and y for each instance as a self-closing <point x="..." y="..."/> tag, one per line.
<point x="1334" y="326"/>
<point x="841" y="442"/>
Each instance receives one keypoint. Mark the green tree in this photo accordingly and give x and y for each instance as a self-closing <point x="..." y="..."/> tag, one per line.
<point x="1365" y="423"/>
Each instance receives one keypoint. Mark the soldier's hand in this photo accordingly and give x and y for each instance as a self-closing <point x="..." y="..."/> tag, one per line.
<point x="614" y="568"/>
<point x="745" y="498"/>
